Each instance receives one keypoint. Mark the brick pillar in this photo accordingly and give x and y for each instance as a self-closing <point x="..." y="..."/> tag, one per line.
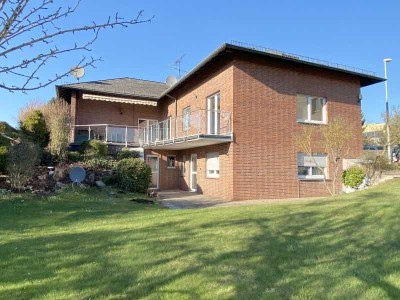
<point x="73" y="116"/>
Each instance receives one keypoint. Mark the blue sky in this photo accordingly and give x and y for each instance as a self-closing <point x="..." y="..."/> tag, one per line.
<point x="350" y="32"/>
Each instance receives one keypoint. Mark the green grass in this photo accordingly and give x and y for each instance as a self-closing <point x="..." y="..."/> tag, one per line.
<point x="86" y="245"/>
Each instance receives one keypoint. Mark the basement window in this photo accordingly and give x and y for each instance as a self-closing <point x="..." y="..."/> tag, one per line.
<point x="311" y="167"/>
<point x="171" y="161"/>
<point x="212" y="165"/>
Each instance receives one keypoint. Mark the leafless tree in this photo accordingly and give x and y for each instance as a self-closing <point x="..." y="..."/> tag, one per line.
<point x="334" y="139"/>
<point x="33" y="34"/>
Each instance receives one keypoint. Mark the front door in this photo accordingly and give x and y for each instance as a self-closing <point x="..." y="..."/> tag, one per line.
<point x="153" y="162"/>
<point x="193" y="172"/>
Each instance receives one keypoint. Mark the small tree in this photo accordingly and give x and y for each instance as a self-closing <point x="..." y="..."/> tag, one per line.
<point x="35" y="127"/>
<point x="334" y="140"/>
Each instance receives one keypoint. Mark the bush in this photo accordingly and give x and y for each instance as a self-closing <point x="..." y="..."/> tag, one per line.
<point x="109" y="179"/>
<point x="126" y="153"/>
<point x="35" y="127"/>
<point x="74" y="156"/>
<point x="21" y="160"/>
<point x="99" y="163"/>
<point x="374" y="165"/>
<point x="56" y="113"/>
<point x="93" y="149"/>
<point x="3" y="158"/>
<point x="353" y="177"/>
<point x="47" y="159"/>
<point x="133" y="175"/>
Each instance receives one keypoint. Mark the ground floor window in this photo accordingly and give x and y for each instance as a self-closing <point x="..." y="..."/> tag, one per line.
<point x="171" y="161"/>
<point x="212" y="165"/>
<point x="311" y="167"/>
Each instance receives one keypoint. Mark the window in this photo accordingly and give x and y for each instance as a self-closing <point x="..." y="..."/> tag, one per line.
<point x="171" y="161"/>
<point x="213" y="114"/>
<point x="311" y="167"/>
<point x="167" y="128"/>
<point x="186" y="119"/>
<point x="213" y="165"/>
<point x="183" y="167"/>
<point x="311" y="109"/>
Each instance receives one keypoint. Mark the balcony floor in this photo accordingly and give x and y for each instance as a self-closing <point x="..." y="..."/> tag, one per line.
<point x="189" y="142"/>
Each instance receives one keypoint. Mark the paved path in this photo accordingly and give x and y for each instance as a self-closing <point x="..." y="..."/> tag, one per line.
<point x="185" y="200"/>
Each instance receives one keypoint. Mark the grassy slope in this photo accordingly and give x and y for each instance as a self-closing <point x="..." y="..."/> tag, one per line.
<point x="84" y="245"/>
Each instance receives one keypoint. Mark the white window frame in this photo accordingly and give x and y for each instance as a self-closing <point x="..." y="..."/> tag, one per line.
<point x="310" y="167"/>
<point x="309" y="110"/>
<point x="212" y="173"/>
<point x="183" y="167"/>
<point x="186" y="112"/>
<point x="213" y="114"/>
<point x="168" y="157"/>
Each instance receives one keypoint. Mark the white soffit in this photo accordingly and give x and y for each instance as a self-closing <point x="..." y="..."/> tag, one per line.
<point x="118" y="99"/>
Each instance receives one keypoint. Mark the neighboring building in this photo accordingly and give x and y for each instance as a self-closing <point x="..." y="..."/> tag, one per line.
<point x="373" y="133"/>
<point x="227" y="128"/>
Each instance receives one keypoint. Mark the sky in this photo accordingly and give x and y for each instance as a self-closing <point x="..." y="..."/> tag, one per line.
<point x="350" y="32"/>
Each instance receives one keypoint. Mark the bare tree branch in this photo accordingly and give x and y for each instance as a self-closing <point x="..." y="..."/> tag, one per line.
<point x="28" y="24"/>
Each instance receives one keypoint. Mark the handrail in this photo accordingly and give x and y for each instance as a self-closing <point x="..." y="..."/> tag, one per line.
<point x="114" y="125"/>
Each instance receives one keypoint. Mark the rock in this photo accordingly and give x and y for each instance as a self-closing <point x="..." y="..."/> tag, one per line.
<point x="100" y="184"/>
<point x="60" y="185"/>
<point x="59" y="173"/>
<point x="51" y="173"/>
<point x="42" y="177"/>
<point x="91" y="178"/>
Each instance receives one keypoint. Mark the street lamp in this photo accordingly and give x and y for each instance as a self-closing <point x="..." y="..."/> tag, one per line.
<point x="385" y="61"/>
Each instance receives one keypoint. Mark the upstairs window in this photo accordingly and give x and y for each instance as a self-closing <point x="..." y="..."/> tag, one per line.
<point x="186" y="119"/>
<point x="311" y="167"/>
<point x="311" y="109"/>
<point x="213" y="165"/>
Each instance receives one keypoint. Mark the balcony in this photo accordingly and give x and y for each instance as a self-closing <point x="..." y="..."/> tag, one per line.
<point x="108" y="133"/>
<point x="192" y="129"/>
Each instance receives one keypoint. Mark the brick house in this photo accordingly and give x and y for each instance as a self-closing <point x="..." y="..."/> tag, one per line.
<point x="227" y="128"/>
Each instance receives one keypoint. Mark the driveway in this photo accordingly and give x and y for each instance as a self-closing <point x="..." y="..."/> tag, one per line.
<point x="185" y="200"/>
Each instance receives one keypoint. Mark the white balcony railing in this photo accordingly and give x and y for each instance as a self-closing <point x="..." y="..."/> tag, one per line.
<point x="191" y="125"/>
<point x="108" y="133"/>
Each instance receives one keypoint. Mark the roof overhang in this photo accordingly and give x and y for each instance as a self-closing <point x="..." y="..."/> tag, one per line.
<point x="366" y="78"/>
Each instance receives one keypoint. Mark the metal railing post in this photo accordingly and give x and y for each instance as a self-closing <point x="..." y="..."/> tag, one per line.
<point x="106" y="137"/>
<point x="89" y="134"/>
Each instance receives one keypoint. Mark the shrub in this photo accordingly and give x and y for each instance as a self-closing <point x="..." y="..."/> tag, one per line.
<point x="93" y="149"/>
<point x="56" y="113"/>
<point x="47" y="159"/>
<point x="3" y="158"/>
<point x="109" y="179"/>
<point x="374" y="165"/>
<point x="353" y="177"/>
<point x="126" y="153"/>
<point x="133" y="174"/>
<point x="99" y="163"/>
<point x="74" y="156"/>
<point x="21" y="160"/>
<point x="35" y="127"/>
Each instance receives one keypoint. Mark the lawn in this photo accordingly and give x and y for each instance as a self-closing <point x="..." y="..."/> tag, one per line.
<point x="92" y="245"/>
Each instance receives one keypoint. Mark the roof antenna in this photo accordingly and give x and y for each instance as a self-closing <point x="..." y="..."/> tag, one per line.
<point x="177" y="65"/>
<point x="77" y="72"/>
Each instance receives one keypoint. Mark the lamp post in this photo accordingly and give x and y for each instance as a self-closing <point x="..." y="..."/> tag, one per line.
<point x="385" y="61"/>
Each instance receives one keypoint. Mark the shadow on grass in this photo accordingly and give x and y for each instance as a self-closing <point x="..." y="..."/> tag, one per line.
<point x="328" y="249"/>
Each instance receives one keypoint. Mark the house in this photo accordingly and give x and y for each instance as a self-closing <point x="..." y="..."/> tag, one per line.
<point x="226" y="128"/>
<point x="373" y="133"/>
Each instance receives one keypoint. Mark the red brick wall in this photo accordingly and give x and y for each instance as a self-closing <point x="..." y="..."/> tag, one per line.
<point x="102" y="112"/>
<point x="265" y="155"/>
<point x="219" y="79"/>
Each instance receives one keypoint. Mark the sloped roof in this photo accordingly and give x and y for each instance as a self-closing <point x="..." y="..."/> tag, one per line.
<point x="129" y="87"/>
